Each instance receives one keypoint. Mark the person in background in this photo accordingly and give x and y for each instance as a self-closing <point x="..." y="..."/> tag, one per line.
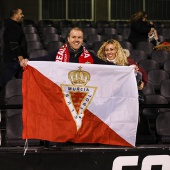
<point x="112" y="52"/>
<point x="142" y="30"/>
<point x="14" y="47"/>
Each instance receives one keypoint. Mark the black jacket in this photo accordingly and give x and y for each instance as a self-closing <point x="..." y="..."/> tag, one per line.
<point x="139" y="32"/>
<point x="14" y="42"/>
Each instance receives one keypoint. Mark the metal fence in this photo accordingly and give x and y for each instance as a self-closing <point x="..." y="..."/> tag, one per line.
<point x="157" y="10"/>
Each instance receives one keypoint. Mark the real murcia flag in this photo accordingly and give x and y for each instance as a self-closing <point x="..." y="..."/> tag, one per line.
<point x="81" y="103"/>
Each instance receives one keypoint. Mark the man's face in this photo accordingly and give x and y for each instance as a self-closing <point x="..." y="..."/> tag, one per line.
<point x="75" y="39"/>
<point x="19" y="16"/>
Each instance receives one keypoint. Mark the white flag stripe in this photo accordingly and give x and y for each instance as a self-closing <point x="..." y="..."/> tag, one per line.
<point x="116" y="99"/>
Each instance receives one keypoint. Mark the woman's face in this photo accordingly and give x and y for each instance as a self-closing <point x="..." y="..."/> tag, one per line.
<point x="110" y="51"/>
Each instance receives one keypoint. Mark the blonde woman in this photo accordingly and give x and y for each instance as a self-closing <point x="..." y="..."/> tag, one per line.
<point x="111" y="51"/>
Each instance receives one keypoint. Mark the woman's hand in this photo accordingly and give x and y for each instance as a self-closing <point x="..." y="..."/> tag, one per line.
<point x="136" y="68"/>
<point x="151" y="23"/>
<point x="141" y="86"/>
<point x="152" y="30"/>
<point x="155" y="35"/>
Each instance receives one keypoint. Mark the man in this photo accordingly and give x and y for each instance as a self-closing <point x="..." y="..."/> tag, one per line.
<point x="14" y="47"/>
<point x="72" y="51"/>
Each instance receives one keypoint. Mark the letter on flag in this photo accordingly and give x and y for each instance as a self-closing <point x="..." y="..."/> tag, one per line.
<point x="81" y="103"/>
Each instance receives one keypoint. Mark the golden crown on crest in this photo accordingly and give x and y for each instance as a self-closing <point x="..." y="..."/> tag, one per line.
<point x="79" y="77"/>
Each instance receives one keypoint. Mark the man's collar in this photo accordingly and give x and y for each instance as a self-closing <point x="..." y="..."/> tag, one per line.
<point x="74" y="51"/>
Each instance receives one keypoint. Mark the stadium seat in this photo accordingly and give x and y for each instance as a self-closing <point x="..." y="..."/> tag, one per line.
<point x="38" y="53"/>
<point x="144" y="133"/>
<point x="166" y="66"/>
<point x="28" y="22"/>
<point x="126" y="45"/>
<point x="158" y="25"/>
<point x="48" y="30"/>
<point x="64" y="24"/>
<point x="96" y="45"/>
<point x="161" y="38"/>
<point x="160" y="56"/>
<point x="13" y="88"/>
<point x="45" y="23"/>
<point x="51" y="37"/>
<point x="99" y="25"/>
<point x="32" y="37"/>
<point x="88" y="31"/>
<point x="120" y="25"/>
<point x="64" y="33"/>
<point x="53" y="46"/>
<point x="13" y="96"/>
<point x="93" y="38"/>
<point x="125" y="32"/>
<point x="108" y="31"/>
<point x="14" y="125"/>
<point x="148" y="64"/>
<point x="30" y="30"/>
<point x="165" y="32"/>
<point x="156" y="77"/>
<point x="165" y="89"/>
<point x="32" y="45"/>
<point x="116" y="37"/>
<point x="163" y="127"/>
<point x="84" y="24"/>
<point x="138" y="55"/>
<point x="152" y="113"/>
<point x="148" y="89"/>
<point x="145" y="46"/>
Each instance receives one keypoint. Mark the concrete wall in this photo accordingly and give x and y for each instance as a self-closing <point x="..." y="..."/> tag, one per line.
<point x="101" y="10"/>
<point x="30" y="8"/>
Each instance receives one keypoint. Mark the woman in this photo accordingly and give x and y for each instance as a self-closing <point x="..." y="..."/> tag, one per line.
<point x="142" y="30"/>
<point x="111" y="51"/>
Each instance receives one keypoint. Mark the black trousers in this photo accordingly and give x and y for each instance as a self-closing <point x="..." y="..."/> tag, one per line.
<point x="141" y="96"/>
<point x="10" y="70"/>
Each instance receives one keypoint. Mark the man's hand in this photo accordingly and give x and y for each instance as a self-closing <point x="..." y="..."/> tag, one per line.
<point x="23" y="63"/>
<point x="20" y="58"/>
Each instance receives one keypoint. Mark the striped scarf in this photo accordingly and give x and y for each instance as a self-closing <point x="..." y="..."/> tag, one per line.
<point x="63" y="55"/>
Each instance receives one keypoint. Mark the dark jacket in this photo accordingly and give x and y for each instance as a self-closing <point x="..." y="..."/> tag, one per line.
<point x="14" y="42"/>
<point x="144" y="74"/>
<point x="139" y="32"/>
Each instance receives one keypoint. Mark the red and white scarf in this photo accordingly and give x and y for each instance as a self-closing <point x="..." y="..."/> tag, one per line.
<point x="63" y="55"/>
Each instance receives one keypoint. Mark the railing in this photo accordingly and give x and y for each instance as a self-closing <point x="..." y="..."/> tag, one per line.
<point x="19" y="106"/>
<point x="154" y="105"/>
<point x="15" y="106"/>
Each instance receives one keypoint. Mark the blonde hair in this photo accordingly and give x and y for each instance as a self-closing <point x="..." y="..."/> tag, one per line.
<point x="121" y="54"/>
